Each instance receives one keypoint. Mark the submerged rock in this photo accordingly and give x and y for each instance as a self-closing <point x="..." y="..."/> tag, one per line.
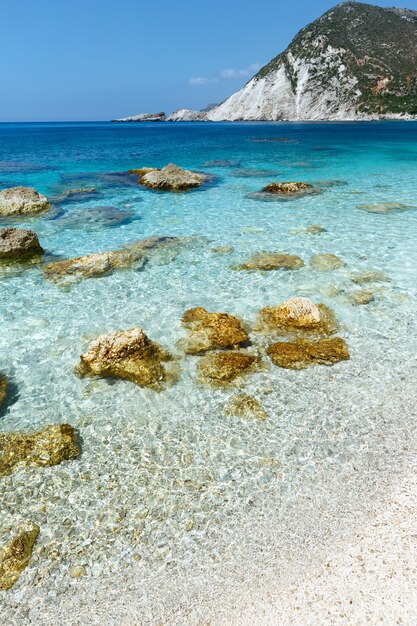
<point x="22" y="201"/>
<point x="302" y="353"/>
<point x="222" y="249"/>
<point x="370" y="277"/>
<point x="297" y="316"/>
<point x="18" y="243"/>
<point x="244" y="405"/>
<point x="172" y="178"/>
<point x="313" y="229"/>
<point x="77" y="194"/>
<point x="15" y="555"/>
<point x="326" y="262"/>
<point x="93" y="218"/>
<point x="268" y="261"/>
<point x="385" y="207"/>
<point x="208" y="331"/>
<point x="3" y="389"/>
<point x="252" y="172"/>
<point x="329" y="183"/>
<point x="286" y="188"/>
<point x="92" y="265"/>
<point x="283" y="191"/>
<point x="157" y="242"/>
<point x="127" y="354"/>
<point x="224" y="367"/>
<point x="48" y="446"/>
<point x="361" y="297"/>
<point x="79" y="191"/>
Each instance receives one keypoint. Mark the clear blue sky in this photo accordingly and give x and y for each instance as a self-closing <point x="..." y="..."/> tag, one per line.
<point x="99" y="59"/>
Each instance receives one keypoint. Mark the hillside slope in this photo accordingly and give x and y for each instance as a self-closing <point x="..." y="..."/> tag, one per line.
<point x="357" y="60"/>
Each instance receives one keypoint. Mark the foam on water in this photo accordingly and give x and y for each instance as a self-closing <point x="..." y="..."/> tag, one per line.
<point x="173" y="503"/>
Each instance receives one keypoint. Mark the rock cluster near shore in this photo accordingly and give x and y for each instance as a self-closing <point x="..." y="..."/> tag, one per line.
<point x="22" y="201"/>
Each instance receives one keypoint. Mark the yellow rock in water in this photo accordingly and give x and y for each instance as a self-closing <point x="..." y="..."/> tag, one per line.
<point x="287" y="188"/>
<point x="244" y="405"/>
<point x="224" y="367"/>
<point x="297" y="316"/>
<point x="302" y="353"/>
<point x="326" y="262"/>
<point x="49" y="446"/>
<point x="208" y="331"/>
<point x="269" y="261"/>
<point x="361" y="297"/>
<point x="127" y="354"/>
<point x="15" y="556"/>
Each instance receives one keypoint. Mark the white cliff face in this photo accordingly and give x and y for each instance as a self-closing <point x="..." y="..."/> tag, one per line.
<point x="320" y="89"/>
<point x="187" y="115"/>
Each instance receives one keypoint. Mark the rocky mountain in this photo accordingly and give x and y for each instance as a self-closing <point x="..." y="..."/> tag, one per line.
<point x="357" y="60"/>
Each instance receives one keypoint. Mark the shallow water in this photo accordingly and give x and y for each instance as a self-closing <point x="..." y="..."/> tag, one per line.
<point x="168" y="484"/>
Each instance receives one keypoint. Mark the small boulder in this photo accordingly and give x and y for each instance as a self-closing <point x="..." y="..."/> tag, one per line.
<point x="49" y="446"/>
<point x="172" y="178"/>
<point x="18" y="243"/>
<point x="15" y="555"/>
<point x="302" y="353"/>
<point x="208" y="331"/>
<point x="22" y="201"/>
<point x="127" y="354"/>
<point x="326" y="262"/>
<point x="286" y="189"/>
<point x="269" y="261"/>
<point x="361" y="297"/>
<point x="297" y="316"/>
<point x="313" y="229"/>
<point x="244" y="405"/>
<point x="370" y="277"/>
<point x="92" y="265"/>
<point x="219" y="368"/>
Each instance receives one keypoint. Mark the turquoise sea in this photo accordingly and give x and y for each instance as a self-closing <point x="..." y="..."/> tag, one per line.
<point x="176" y="508"/>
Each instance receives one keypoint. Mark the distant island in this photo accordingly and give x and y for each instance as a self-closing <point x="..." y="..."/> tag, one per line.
<point x="357" y="61"/>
